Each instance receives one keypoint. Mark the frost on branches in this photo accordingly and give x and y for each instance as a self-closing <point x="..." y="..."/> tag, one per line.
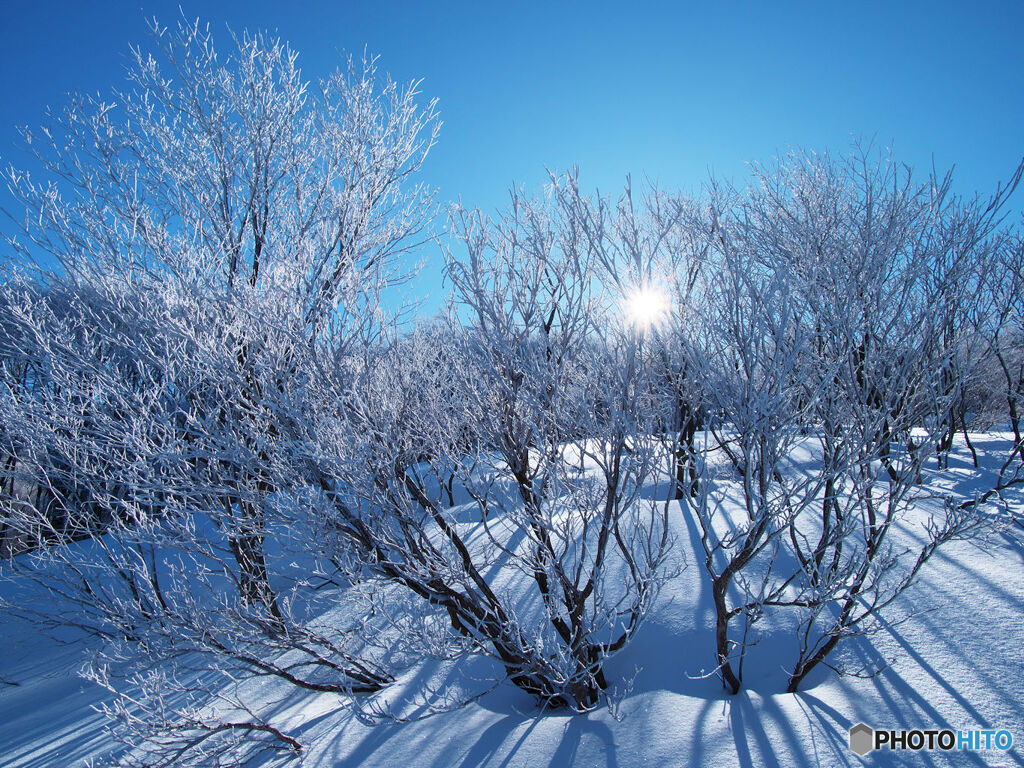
<point x="227" y="462"/>
<point x="211" y="236"/>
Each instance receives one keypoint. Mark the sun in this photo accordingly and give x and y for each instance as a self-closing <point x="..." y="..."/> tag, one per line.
<point x="646" y="306"/>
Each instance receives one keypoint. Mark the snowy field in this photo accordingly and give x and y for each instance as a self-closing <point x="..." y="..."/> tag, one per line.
<point x="954" y="662"/>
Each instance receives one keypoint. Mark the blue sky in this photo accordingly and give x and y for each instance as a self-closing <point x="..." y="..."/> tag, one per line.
<point x="670" y="91"/>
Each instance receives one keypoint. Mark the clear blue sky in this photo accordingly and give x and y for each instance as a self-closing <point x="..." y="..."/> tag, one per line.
<point x="669" y="91"/>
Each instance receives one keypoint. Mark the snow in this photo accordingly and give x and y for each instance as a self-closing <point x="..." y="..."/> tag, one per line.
<point x="953" y="661"/>
<point x="48" y="718"/>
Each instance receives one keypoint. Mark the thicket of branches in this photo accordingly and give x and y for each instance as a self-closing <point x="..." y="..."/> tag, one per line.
<point x="846" y="317"/>
<point x="224" y="459"/>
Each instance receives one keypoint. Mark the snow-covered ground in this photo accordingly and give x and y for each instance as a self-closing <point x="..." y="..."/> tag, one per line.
<point x="957" y="662"/>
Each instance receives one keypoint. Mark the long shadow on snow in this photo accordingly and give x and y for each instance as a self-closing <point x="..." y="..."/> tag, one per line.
<point x="36" y="737"/>
<point x="487" y="750"/>
<point x="833" y="728"/>
<point x="900" y="684"/>
<point x="745" y="723"/>
<point x="905" y="703"/>
<point x="487" y="747"/>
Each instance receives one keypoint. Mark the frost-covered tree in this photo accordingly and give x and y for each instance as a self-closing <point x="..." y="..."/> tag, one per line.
<point x="566" y="395"/>
<point x="849" y="332"/>
<point x="748" y="357"/>
<point x="217" y="447"/>
<point x="248" y="473"/>
<point x="537" y="421"/>
<point x="1002" y="328"/>
<point x="651" y="252"/>
<point x="890" y="306"/>
<point x="204" y="239"/>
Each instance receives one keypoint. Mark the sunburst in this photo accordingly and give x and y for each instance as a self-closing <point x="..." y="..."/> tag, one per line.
<point x="646" y="306"/>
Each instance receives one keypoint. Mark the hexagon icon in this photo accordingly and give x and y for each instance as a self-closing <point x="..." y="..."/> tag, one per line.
<point x="861" y="738"/>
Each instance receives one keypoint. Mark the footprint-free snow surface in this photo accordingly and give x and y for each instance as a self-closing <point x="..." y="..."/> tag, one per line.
<point x="951" y="656"/>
